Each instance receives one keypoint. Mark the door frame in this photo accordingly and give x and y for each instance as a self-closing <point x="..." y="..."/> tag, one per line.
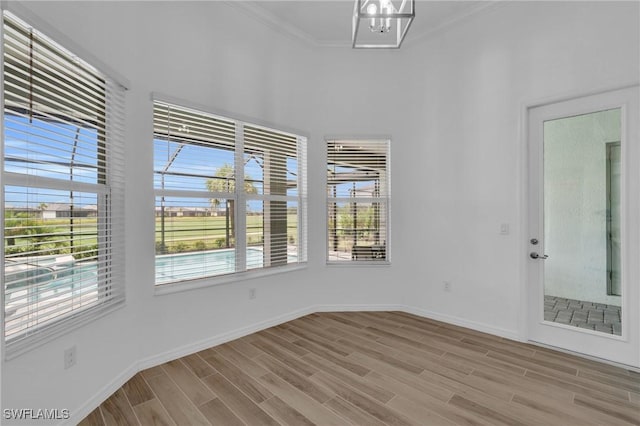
<point x="632" y="205"/>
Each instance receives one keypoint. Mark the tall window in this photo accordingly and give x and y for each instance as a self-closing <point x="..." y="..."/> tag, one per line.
<point x="62" y="187"/>
<point x="230" y="196"/>
<point x="358" y="195"/>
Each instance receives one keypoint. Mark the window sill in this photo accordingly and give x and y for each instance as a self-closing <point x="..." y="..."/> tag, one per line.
<point x="355" y="263"/>
<point x="178" y="287"/>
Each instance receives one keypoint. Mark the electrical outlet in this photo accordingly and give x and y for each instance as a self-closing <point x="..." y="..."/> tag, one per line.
<point x="252" y="293"/>
<point x="70" y="357"/>
<point x="447" y="286"/>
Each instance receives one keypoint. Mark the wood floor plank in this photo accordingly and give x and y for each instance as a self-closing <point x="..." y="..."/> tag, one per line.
<point x="580" y="386"/>
<point x="237" y="401"/>
<point x="351" y="413"/>
<point x="336" y="359"/>
<point x="313" y="329"/>
<point x="198" y="366"/>
<point x="482" y="411"/>
<point x="151" y="372"/>
<point x="436" y="404"/>
<point x="244" y="347"/>
<point x="462" y="332"/>
<point x="296" y="380"/>
<point x="283" y="333"/>
<point x="188" y="382"/>
<point x="219" y="414"/>
<point x="465" y="385"/>
<point x="280" y="342"/>
<point x="362" y="384"/>
<point x="545" y="354"/>
<point x="544" y="367"/>
<point x="424" y="347"/>
<point x="485" y="363"/>
<point x="179" y="407"/>
<point x="281" y="411"/>
<point x="247" y="384"/>
<point x="381" y="355"/>
<point x="630" y="383"/>
<point x="412" y="320"/>
<point x="358" y="399"/>
<point x="617" y="410"/>
<point x="344" y="332"/>
<point x="525" y="387"/>
<point x="301" y="402"/>
<point x="500" y="346"/>
<point x="320" y="341"/>
<point x="415" y="381"/>
<point x="291" y="361"/>
<point x="137" y="390"/>
<point x="418" y="412"/>
<point x="241" y="361"/>
<point x="152" y="413"/>
<point x="116" y="410"/>
<point x="344" y="319"/>
<point x="563" y="412"/>
<point x="93" y="419"/>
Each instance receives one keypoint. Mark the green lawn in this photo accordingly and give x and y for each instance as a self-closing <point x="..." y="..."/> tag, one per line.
<point x="181" y="234"/>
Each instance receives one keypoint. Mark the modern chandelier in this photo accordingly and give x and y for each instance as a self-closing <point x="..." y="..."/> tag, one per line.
<point x="381" y="24"/>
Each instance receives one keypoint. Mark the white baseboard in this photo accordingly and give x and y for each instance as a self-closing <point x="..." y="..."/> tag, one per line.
<point x="355" y="308"/>
<point x="219" y="339"/>
<point x="449" y="319"/>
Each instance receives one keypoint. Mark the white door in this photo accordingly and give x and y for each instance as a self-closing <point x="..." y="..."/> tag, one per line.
<point x="584" y="234"/>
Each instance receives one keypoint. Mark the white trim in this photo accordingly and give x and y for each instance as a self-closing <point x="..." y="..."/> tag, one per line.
<point x="585" y="356"/>
<point x="523" y="327"/>
<point x="627" y="346"/>
<point x="188" y="285"/>
<point x="473" y="325"/>
<point x="273" y="22"/>
<point x="69" y="44"/>
<point x="226" y="115"/>
<point x="356" y="263"/>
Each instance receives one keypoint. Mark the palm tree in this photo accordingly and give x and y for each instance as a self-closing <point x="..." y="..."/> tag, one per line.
<point x="224" y="181"/>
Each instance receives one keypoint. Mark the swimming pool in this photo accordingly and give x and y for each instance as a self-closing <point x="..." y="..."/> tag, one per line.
<point x="188" y="266"/>
<point x="44" y="281"/>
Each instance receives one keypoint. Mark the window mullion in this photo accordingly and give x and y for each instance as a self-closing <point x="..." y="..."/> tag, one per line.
<point x="240" y="201"/>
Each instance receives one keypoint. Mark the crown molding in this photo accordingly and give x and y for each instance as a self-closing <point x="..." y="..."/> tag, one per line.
<point x="272" y="21"/>
<point x="481" y="7"/>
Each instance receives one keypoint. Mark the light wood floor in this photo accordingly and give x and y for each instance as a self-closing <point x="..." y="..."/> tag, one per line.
<point x="375" y="368"/>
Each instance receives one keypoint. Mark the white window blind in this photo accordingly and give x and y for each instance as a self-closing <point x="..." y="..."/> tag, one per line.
<point x="63" y="253"/>
<point x="358" y="194"/>
<point x="230" y="196"/>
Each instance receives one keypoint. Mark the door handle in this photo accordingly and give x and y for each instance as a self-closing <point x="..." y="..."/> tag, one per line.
<point x="535" y="255"/>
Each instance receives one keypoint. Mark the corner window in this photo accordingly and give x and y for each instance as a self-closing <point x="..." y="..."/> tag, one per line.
<point x="230" y="196"/>
<point x="62" y="187"/>
<point x="358" y="196"/>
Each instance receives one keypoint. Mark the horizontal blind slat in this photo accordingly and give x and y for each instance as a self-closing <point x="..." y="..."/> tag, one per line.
<point x="64" y="123"/>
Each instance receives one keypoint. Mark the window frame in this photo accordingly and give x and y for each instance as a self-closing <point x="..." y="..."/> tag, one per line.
<point x="384" y="200"/>
<point x="109" y="187"/>
<point x="241" y="198"/>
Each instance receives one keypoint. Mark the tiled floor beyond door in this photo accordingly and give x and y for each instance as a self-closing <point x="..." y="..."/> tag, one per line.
<point x="589" y="315"/>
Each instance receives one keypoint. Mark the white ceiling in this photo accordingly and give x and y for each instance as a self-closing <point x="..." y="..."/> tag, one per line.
<point x="328" y="23"/>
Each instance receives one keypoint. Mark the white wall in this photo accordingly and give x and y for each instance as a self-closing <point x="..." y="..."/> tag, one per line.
<point x="465" y="129"/>
<point x="452" y="108"/>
